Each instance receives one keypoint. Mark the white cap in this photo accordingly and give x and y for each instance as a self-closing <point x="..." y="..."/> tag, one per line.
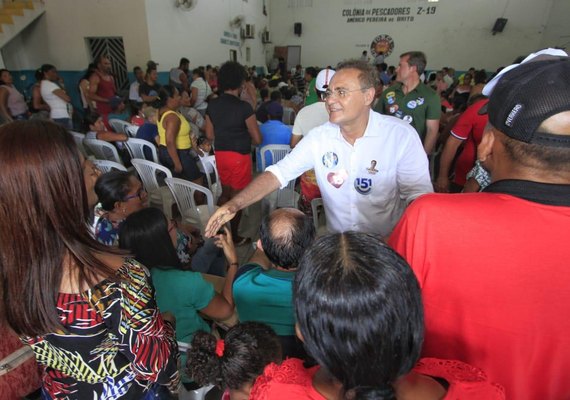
<point x="324" y="79"/>
<point x="488" y="89"/>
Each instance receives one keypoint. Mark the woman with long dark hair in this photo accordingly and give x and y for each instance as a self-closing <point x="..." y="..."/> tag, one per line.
<point x="152" y="239"/>
<point x="88" y="312"/>
<point x="360" y="315"/>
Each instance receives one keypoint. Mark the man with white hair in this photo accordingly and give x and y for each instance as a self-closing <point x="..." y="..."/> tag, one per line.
<point x="368" y="166"/>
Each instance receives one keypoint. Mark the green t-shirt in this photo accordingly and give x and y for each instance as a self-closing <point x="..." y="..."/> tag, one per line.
<point x="416" y="107"/>
<point x="266" y="296"/>
<point x="311" y="93"/>
<point x="183" y="293"/>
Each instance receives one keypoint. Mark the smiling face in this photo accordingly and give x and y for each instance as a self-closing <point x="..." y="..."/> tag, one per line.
<point x="354" y="105"/>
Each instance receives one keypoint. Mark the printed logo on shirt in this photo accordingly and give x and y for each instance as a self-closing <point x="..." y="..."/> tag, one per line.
<point x="420" y="101"/>
<point x="337" y="178"/>
<point x="408" y="119"/>
<point x="391" y="97"/>
<point x="372" y="170"/>
<point x="363" y="185"/>
<point x="412" y="104"/>
<point x="330" y="159"/>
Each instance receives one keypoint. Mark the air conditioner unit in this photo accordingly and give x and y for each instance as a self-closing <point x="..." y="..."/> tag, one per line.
<point x="249" y="31"/>
<point x="265" y="37"/>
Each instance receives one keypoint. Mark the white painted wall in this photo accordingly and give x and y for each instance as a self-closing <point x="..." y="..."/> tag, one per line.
<point x="557" y="32"/>
<point x="196" y="34"/>
<point x="58" y="37"/>
<point x="458" y="34"/>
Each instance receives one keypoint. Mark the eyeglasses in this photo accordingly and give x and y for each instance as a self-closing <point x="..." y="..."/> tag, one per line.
<point x="141" y="194"/>
<point x="340" y="93"/>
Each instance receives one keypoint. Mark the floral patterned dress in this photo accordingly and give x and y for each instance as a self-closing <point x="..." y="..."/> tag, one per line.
<point x="114" y="344"/>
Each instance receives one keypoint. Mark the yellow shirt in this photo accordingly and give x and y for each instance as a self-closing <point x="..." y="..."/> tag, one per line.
<point x="183" y="141"/>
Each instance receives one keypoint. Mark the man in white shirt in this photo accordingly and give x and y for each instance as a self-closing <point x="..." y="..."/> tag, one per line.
<point x="368" y="166"/>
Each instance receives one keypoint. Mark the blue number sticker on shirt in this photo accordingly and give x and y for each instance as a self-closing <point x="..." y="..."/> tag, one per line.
<point x="363" y="185"/>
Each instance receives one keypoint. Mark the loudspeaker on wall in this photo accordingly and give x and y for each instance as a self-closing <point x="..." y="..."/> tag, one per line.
<point x="499" y="25"/>
<point x="298" y="28"/>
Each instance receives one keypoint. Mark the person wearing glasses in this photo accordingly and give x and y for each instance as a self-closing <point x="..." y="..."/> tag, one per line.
<point x="122" y="194"/>
<point x="355" y="196"/>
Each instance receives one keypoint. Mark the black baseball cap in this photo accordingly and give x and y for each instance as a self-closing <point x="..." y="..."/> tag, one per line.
<point x="525" y="95"/>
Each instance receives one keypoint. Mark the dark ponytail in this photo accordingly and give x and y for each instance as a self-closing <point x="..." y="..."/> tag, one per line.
<point x="203" y="364"/>
<point x="239" y="359"/>
<point x="164" y="93"/>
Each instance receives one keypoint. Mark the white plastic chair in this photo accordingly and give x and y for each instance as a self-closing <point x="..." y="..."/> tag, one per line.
<point x="215" y="186"/>
<point x="119" y="125"/>
<point x="131" y="130"/>
<point x="183" y="192"/>
<point x="136" y="149"/>
<point x="195" y="394"/>
<point x="78" y="137"/>
<point x="157" y="195"/>
<point x="102" y="150"/>
<point x="286" y="197"/>
<point x="106" y="166"/>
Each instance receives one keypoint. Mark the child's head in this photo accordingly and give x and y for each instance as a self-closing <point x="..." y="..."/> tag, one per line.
<point x="236" y="361"/>
<point x="367" y="331"/>
<point x="150" y="113"/>
<point x="204" y="144"/>
<point x="94" y="122"/>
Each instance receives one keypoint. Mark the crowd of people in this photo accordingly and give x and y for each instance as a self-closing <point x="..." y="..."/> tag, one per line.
<point x="410" y="294"/>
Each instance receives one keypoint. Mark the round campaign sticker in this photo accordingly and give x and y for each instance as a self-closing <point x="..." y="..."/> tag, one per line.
<point x="330" y="159"/>
<point x="408" y="118"/>
<point x="412" y="104"/>
<point x="363" y="185"/>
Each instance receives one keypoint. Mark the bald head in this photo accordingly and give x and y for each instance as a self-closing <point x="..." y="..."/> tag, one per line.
<point x="284" y="235"/>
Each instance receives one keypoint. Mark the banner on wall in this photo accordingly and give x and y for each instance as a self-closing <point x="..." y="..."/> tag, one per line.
<point x="386" y="14"/>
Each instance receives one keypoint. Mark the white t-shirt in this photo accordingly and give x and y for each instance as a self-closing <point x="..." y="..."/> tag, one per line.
<point x="134" y="92"/>
<point x="204" y="91"/>
<point x="58" y="107"/>
<point x="310" y="117"/>
<point x="366" y="186"/>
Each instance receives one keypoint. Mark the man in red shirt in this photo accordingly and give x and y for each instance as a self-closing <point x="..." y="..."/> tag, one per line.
<point x="468" y="130"/>
<point x="493" y="266"/>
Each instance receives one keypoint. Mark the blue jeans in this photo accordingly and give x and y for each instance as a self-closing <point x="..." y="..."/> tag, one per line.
<point x="65" y="122"/>
<point x="190" y="170"/>
<point x="209" y="259"/>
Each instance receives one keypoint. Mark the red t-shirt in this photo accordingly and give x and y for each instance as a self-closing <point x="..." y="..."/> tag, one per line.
<point x="291" y="381"/>
<point x="469" y="128"/>
<point x="494" y="273"/>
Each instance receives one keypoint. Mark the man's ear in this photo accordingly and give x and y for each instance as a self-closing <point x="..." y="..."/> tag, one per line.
<point x="369" y="95"/>
<point x="485" y="148"/>
<point x="258" y="245"/>
<point x="298" y="332"/>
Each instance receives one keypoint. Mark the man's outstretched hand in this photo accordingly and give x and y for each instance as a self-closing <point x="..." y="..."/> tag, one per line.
<point x="218" y="219"/>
